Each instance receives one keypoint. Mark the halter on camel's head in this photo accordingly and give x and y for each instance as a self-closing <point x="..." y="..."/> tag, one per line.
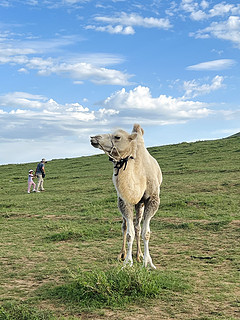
<point x="119" y="146"/>
<point x="118" y="164"/>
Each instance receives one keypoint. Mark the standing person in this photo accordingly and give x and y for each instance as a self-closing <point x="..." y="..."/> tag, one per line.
<point x="40" y="173"/>
<point x="30" y="181"/>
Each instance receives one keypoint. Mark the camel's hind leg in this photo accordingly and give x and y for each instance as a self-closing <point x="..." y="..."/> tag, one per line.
<point x="151" y="207"/>
<point x="127" y="213"/>
<point x="139" y="214"/>
<point x="123" y="252"/>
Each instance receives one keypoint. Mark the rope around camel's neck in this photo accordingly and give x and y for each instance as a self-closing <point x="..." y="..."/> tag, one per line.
<point x="121" y="162"/>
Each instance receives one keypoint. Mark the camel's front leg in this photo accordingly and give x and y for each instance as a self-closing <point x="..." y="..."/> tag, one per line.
<point x="123" y="252"/>
<point x="127" y="213"/>
<point x="151" y="208"/>
<point x="139" y="214"/>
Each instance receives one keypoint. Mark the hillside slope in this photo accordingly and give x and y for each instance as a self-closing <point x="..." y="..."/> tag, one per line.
<point x="235" y="135"/>
<point x="75" y="224"/>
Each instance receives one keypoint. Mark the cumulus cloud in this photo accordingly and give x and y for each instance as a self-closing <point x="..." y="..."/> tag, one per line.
<point x="162" y="110"/>
<point x="200" y="10"/>
<point x="227" y="29"/>
<point x="194" y="89"/>
<point x="25" y="115"/>
<point x="224" y="30"/>
<point x="222" y="9"/>
<point x="26" y="118"/>
<point x="215" y="65"/>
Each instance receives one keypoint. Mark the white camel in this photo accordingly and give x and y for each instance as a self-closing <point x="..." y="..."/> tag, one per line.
<point x="137" y="178"/>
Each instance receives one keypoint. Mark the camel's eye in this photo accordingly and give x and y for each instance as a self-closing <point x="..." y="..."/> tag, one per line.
<point x="117" y="138"/>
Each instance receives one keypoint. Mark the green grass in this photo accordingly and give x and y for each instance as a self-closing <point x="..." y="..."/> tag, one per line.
<point x="46" y="238"/>
<point x="22" y="311"/>
<point x="115" y="287"/>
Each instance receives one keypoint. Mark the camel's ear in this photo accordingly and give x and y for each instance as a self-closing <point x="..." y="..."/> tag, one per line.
<point x="137" y="128"/>
<point x="132" y="136"/>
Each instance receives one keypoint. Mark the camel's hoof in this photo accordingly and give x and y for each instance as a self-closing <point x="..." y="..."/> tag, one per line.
<point x="151" y="265"/>
<point x="147" y="262"/>
<point x="127" y="263"/>
<point x="139" y="257"/>
<point x="122" y="255"/>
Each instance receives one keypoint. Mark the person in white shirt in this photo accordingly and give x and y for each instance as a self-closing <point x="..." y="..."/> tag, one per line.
<point x="30" y="181"/>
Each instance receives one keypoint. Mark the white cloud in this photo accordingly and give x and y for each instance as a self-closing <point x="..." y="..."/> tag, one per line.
<point x="118" y="29"/>
<point x="162" y="110"/>
<point x="87" y="71"/>
<point x="136" y="20"/>
<point x="194" y="89"/>
<point x="228" y="29"/>
<point x="198" y="15"/>
<point x="28" y="116"/>
<point x="30" y="102"/>
<point x="38" y="46"/>
<point x="198" y="11"/>
<point x="124" y="23"/>
<point x="204" y="4"/>
<point x="225" y="30"/>
<point x="22" y="99"/>
<point x="32" y="2"/>
<point x="64" y="129"/>
<point x="5" y="3"/>
<point x="53" y="4"/>
<point x="222" y="9"/>
<point x="73" y="1"/>
<point x="215" y="65"/>
<point x="188" y="5"/>
<point x="103" y="112"/>
<point x="23" y="70"/>
<point x="79" y="67"/>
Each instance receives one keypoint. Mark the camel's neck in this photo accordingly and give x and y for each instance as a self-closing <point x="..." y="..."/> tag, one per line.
<point x="122" y="163"/>
<point x="129" y="180"/>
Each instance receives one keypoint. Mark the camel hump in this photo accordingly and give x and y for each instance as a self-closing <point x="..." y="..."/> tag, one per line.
<point x="137" y="128"/>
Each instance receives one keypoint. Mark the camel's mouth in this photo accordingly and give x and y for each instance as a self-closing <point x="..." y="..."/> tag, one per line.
<point x="94" y="142"/>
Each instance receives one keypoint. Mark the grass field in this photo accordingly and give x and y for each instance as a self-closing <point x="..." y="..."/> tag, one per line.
<point x="58" y="249"/>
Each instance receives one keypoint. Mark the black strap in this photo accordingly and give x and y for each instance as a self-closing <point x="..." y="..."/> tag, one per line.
<point x="119" y="164"/>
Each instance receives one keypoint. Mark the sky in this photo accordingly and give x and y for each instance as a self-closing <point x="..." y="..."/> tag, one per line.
<point x="70" y="69"/>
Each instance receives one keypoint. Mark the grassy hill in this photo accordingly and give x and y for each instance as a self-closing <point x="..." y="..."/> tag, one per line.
<point x="58" y="249"/>
<point x="236" y="135"/>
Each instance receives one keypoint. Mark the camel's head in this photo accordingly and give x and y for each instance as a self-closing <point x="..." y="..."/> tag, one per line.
<point x="117" y="145"/>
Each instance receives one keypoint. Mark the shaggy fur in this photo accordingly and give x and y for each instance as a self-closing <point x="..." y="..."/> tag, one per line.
<point x="137" y="178"/>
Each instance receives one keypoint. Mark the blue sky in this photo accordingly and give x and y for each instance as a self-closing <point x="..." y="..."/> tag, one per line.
<point x="74" y="68"/>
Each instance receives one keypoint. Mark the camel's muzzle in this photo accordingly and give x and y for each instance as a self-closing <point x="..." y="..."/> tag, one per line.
<point x="101" y="143"/>
<point x="94" y="141"/>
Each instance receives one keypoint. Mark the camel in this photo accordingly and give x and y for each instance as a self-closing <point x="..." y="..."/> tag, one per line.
<point x="137" y="178"/>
